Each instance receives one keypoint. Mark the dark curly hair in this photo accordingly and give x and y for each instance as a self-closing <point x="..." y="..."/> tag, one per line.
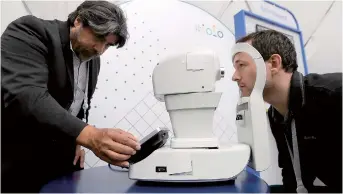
<point x="269" y="42"/>
<point x="103" y="17"/>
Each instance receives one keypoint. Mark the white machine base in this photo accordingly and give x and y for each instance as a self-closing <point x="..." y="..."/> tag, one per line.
<point x="192" y="165"/>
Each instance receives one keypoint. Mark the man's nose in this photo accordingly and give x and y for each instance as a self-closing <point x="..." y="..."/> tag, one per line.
<point x="235" y="76"/>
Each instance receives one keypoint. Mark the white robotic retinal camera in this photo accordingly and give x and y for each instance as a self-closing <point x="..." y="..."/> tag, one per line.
<point x="185" y="82"/>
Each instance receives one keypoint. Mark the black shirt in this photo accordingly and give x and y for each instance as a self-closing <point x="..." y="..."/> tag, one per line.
<point x="315" y="103"/>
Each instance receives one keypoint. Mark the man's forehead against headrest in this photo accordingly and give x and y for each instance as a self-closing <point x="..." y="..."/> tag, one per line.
<point x="246" y="48"/>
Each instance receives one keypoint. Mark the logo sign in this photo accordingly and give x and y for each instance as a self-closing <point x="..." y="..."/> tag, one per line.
<point x="210" y="31"/>
<point x="272" y="12"/>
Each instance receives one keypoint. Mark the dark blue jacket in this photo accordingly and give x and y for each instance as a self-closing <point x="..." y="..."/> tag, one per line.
<point x="315" y="101"/>
<point x="38" y="134"/>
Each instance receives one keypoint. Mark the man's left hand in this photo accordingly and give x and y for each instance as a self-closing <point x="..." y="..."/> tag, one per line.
<point x="79" y="155"/>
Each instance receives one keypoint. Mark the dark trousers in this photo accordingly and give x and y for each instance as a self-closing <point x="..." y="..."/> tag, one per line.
<point x="26" y="171"/>
<point x="314" y="189"/>
<point x="31" y="179"/>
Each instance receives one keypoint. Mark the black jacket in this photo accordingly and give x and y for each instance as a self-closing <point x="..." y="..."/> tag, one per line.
<point x="37" y="82"/>
<point x="315" y="101"/>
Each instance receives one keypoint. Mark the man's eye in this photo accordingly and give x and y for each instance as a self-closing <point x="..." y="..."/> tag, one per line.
<point x="100" y="38"/>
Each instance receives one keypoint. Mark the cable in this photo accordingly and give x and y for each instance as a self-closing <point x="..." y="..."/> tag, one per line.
<point x="118" y="169"/>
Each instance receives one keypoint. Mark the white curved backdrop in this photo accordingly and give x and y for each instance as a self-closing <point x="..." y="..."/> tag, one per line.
<point x="124" y="96"/>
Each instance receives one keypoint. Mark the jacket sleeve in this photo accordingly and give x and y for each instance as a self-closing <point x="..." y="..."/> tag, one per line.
<point x="24" y="77"/>
<point x="284" y="160"/>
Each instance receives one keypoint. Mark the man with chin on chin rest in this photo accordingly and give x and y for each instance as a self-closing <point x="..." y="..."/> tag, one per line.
<point x="305" y="114"/>
<point x="49" y="70"/>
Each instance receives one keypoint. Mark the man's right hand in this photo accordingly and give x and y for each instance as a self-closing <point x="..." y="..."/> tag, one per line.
<point x="114" y="146"/>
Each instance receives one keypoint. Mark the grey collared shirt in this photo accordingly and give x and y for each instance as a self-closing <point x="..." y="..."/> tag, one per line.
<point x="80" y="83"/>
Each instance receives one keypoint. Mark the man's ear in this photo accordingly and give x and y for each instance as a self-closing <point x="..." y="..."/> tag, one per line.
<point x="276" y="63"/>
<point x="77" y="22"/>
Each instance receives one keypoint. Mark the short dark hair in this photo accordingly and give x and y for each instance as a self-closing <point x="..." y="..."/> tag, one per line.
<point x="103" y="18"/>
<point x="269" y="42"/>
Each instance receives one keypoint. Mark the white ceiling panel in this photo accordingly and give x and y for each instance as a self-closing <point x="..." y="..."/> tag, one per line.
<point x="56" y="9"/>
<point x="324" y="50"/>
<point x="308" y="14"/>
<point x="215" y="8"/>
<point x="227" y="17"/>
<point x="48" y="9"/>
<point x="7" y="13"/>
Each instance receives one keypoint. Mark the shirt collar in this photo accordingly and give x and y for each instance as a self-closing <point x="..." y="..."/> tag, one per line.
<point x="296" y="98"/>
<point x="71" y="47"/>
